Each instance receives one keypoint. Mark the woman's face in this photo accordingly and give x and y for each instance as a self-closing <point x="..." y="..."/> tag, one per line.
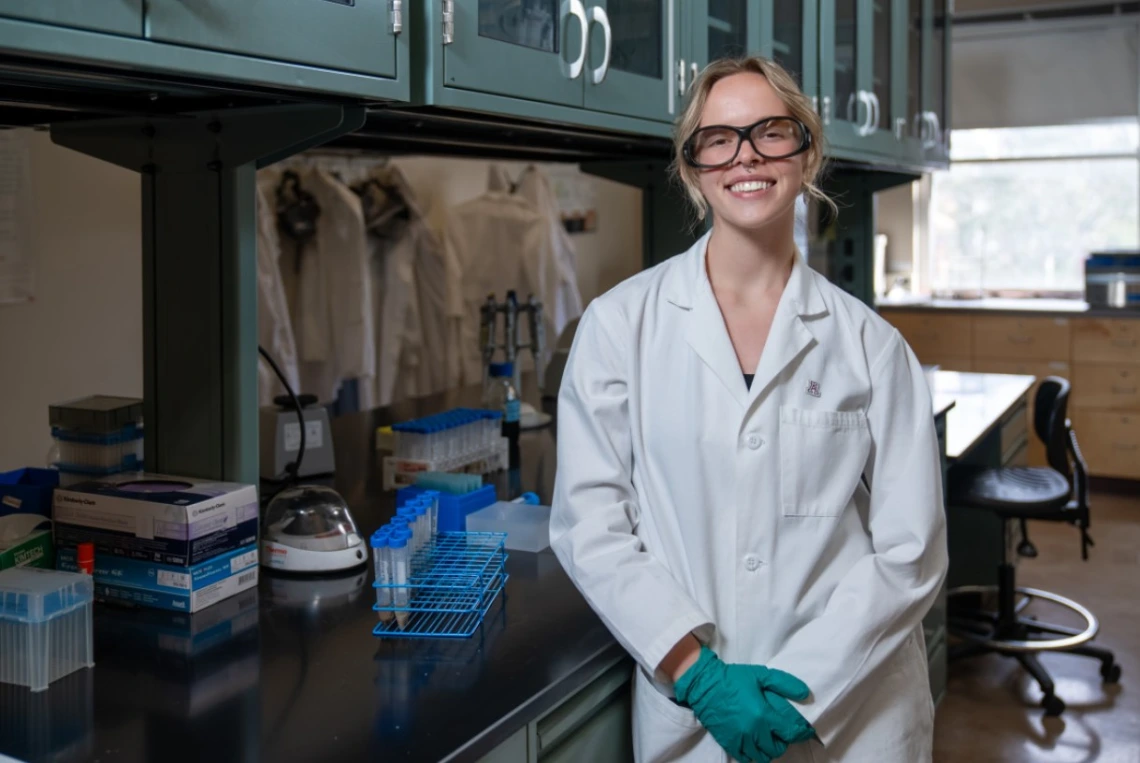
<point x="751" y="192"/>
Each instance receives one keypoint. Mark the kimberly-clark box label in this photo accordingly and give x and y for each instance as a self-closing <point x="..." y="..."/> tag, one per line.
<point x="169" y="520"/>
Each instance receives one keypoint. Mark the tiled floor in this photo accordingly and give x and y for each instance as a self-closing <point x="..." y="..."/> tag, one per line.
<point x="991" y="711"/>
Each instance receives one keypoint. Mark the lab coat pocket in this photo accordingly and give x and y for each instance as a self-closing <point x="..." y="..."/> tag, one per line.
<point x="663" y="730"/>
<point x="822" y="457"/>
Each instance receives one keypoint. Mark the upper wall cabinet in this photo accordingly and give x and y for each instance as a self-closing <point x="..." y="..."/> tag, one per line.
<point x="629" y="58"/>
<point x="610" y="56"/>
<point x="926" y="131"/>
<point x="790" y="35"/>
<point x="123" y="17"/>
<point x="717" y="29"/>
<point x="535" y="50"/>
<point x="346" y="35"/>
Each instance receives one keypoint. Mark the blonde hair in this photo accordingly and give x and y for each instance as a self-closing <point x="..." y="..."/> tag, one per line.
<point x="799" y="106"/>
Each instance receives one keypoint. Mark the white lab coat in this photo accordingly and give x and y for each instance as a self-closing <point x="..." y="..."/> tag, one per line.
<point x="497" y="240"/>
<point x="274" y="327"/>
<point x="685" y="502"/>
<point x="330" y="298"/>
<point x="409" y="288"/>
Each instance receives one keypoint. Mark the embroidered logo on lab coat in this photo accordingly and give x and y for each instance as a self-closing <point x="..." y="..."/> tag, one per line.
<point x="813" y="388"/>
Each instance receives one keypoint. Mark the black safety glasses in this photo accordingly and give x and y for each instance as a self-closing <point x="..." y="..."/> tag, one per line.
<point x="772" y="138"/>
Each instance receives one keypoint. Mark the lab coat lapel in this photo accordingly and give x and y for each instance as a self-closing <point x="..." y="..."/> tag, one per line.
<point x="689" y="289"/>
<point x="790" y="335"/>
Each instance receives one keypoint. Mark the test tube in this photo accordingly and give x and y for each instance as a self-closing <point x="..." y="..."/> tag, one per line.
<point x="432" y="499"/>
<point x="382" y="560"/>
<point x="422" y="525"/>
<point x="401" y="571"/>
<point x="408" y="512"/>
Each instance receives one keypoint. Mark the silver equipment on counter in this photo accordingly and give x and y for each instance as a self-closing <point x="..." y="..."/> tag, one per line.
<point x="280" y="438"/>
<point x="511" y="346"/>
<point x="308" y="529"/>
<point x="1112" y="279"/>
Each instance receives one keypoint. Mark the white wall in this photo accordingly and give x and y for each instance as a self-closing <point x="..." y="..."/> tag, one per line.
<point x="82" y="334"/>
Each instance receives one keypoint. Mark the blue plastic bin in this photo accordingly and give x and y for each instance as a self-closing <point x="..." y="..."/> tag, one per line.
<point x="453" y="509"/>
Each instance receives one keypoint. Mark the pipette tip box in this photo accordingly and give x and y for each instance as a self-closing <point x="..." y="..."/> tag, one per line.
<point x="45" y="625"/>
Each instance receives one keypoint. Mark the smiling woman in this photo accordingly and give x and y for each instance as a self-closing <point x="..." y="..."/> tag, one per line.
<point x="748" y="490"/>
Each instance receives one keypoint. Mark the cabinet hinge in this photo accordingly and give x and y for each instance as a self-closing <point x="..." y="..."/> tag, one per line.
<point x="397" y="16"/>
<point x="448" y="22"/>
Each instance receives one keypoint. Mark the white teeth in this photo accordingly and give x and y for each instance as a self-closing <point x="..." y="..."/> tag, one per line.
<point x="750" y="185"/>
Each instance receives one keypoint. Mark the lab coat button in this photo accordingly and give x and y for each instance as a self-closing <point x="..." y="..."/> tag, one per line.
<point x="752" y="562"/>
<point x="754" y="442"/>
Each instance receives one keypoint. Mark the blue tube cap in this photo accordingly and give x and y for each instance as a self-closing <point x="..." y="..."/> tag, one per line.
<point x="502" y="369"/>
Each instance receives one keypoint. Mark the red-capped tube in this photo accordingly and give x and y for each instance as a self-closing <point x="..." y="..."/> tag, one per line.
<point x="85" y="557"/>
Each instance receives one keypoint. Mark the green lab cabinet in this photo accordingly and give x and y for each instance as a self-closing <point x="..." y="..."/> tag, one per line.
<point x="594" y="724"/>
<point x="121" y="17"/>
<point x="926" y="133"/>
<point x="359" y="36"/>
<point x="603" y="56"/>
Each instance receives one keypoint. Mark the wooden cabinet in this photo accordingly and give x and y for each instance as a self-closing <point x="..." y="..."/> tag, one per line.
<point x="1020" y="338"/>
<point x="1106" y="394"/>
<point x="121" y="17"/>
<point x="1099" y="356"/>
<point x="1110" y="442"/>
<point x="931" y="334"/>
<point x="1107" y="340"/>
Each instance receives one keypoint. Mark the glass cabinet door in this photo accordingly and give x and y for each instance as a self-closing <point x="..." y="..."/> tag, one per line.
<point x="790" y="39"/>
<point x="940" y="81"/>
<point x="530" y="49"/>
<point x="719" y="29"/>
<point x="882" y="48"/>
<point x="844" y="101"/>
<point x="916" y="44"/>
<point x="628" y="66"/>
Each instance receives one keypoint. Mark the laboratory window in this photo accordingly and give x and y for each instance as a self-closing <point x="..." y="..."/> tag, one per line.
<point x="1019" y="209"/>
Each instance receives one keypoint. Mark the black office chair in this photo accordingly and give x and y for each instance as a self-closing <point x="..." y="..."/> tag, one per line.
<point x="1054" y="493"/>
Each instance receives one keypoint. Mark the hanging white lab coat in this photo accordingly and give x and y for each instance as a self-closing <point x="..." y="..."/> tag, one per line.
<point x="556" y="280"/>
<point x="496" y="239"/>
<point x="330" y="298"/>
<point x="409" y="280"/>
<point x="274" y="327"/>
<point x="685" y="502"/>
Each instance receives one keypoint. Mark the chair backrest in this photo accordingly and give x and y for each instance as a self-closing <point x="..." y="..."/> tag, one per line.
<point x="1050" y="412"/>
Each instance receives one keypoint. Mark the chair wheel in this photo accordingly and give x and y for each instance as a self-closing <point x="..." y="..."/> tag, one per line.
<point x="1110" y="673"/>
<point x="1053" y="705"/>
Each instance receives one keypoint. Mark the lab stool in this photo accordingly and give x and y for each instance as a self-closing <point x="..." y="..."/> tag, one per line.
<point x="1054" y="493"/>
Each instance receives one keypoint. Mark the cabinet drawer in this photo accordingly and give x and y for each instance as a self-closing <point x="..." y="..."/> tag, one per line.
<point x="1110" y="442"/>
<point x="1019" y="338"/>
<point x="933" y="334"/>
<point x="1107" y="387"/>
<point x="1107" y="340"/>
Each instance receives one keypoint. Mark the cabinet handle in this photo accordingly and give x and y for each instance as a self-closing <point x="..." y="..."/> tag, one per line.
<point x="1123" y="390"/>
<point x="826" y="110"/>
<point x="598" y="14"/>
<point x="936" y="128"/>
<point x="573" y="70"/>
<point x="861" y="96"/>
<point x="876" y="113"/>
<point x="682" y="70"/>
<point x="815" y="103"/>
<point x="696" y="72"/>
<point x="900" y="128"/>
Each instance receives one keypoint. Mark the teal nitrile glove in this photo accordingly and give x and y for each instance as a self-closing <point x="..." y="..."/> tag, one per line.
<point x="745" y="707"/>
